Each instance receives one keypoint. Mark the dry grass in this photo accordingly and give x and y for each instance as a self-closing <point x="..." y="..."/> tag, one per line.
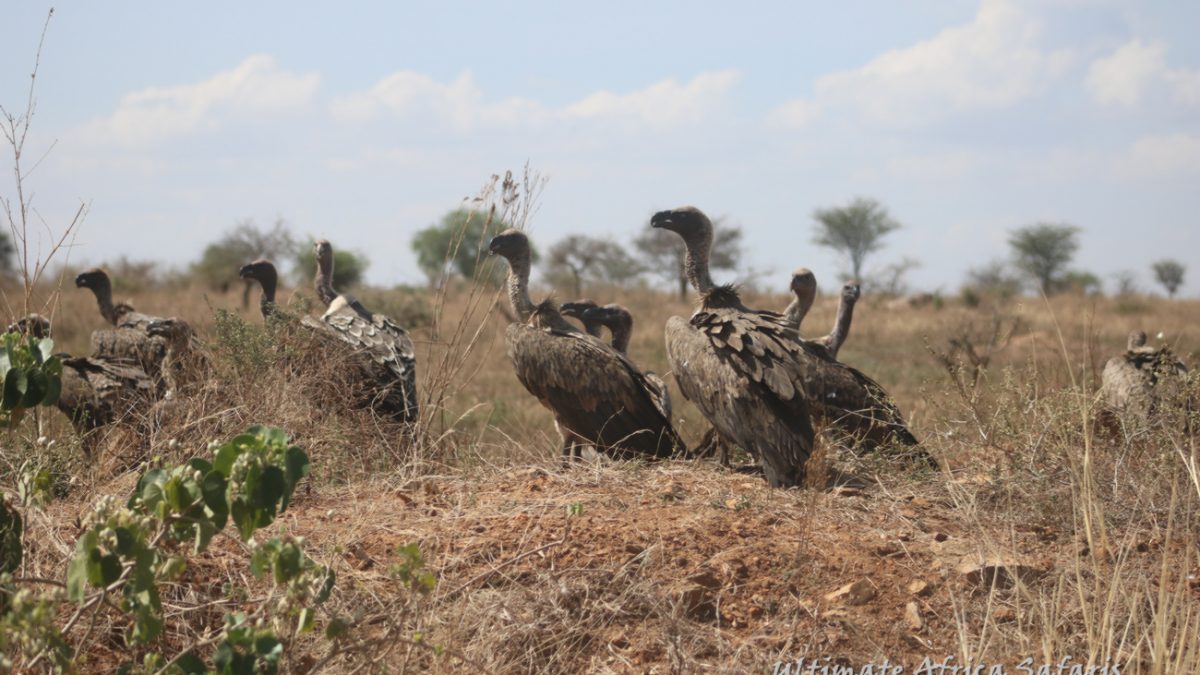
<point x="684" y="567"/>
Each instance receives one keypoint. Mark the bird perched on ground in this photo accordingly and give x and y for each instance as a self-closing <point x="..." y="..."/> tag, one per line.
<point x="598" y="396"/>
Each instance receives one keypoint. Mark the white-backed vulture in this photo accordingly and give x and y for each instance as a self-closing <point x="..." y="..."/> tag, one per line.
<point x="34" y="325"/>
<point x="323" y="280"/>
<point x="121" y="315"/>
<point x="1134" y="384"/>
<point x="381" y="350"/>
<point x="804" y="292"/>
<point x="377" y="337"/>
<point x="97" y="392"/>
<point x="742" y="368"/>
<point x="841" y="325"/>
<point x="575" y="309"/>
<point x="619" y="322"/>
<point x="598" y="396"/>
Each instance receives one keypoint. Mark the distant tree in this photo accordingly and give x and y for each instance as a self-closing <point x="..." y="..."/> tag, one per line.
<point x="219" y="263"/>
<point x="1169" y="273"/>
<point x="854" y="230"/>
<point x="458" y="244"/>
<point x="892" y="279"/>
<point x="8" y="255"/>
<point x="1043" y="252"/>
<point x="578" y="257"/>
<point x="1125" y="282"/>
<point x="349" y="267"/>
<point x="995" y="278"/>
<point x="662" y="252"/>
<point x="1080" y="281"/>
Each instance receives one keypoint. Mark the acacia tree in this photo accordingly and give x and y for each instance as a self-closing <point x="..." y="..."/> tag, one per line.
<point x="855" y="230"/>
<point x="663" y="253"/>
<point x="458" y="244"/>
<point x="1043" y="251"/>
<point x="1169" y="273"/>
<point x="578" y="257"/>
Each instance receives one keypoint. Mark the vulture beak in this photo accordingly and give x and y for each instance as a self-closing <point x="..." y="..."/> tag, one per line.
<point x="661" y="219"/>
<point x="80" y="281"/>
<point x="245" y="271"/>
<point x="493" y="246"/>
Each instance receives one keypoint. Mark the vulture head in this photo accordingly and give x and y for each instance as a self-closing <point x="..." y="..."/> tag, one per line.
<point x="262" y="271"/>
<point x="688" y="222"/>
<point x="613" y="316"/>
<point x="511" y="243"/>
<point x="96" y="279"/>
<point x="851" y="292"/>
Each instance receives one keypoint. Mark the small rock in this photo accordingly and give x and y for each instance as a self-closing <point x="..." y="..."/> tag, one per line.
<point x="887" y="550"/>
<point x="940" y="536"/>
<point x="919" y="588"/>
<point x="1000" y="573"/>
<point x="912" y="616"/>
<point x="858" y="593"/>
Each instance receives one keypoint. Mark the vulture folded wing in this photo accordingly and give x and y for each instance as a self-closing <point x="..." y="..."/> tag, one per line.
<point x="748" y="387"/>
<point x="592" y="390"/>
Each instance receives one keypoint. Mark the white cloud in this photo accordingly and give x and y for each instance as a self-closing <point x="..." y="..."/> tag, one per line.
<point x="463" y="104"/>
<point x="1158" y="156"/>
<point x="661" y="104"/>
<point x="256" y="85"/>
<point x="1120" y="78"/>
<point x="460" y="102"/>
<point x="1127" y="76"/>
<point x="992" y="62"/>
<point x="793" y="114"/>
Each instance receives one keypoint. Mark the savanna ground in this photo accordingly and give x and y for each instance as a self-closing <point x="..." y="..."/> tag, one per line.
<point x="1040" y="539"/>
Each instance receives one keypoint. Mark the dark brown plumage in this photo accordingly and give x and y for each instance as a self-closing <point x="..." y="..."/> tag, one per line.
<point x="576" y="309"/>
<point x="97" y="392"/>
<point x="619" y="321"/>
<point x="598" y="396"/>
<point x="34" y="325"/>
<point x="842" y="397"/>
<point x="742" y="368"/>
<point x="121" y="315"/>
<point x="184" y="363"/>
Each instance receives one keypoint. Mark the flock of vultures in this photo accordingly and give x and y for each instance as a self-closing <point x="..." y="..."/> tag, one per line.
<point x="762" y="386"/>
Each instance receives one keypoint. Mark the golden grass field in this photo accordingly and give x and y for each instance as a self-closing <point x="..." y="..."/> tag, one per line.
<point x="687" y="567"/>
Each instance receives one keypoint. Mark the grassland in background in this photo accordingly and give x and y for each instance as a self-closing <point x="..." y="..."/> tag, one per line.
<point x="686" y="568"/>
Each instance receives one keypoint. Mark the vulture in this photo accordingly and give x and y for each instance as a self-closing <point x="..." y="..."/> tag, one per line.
<point x="598" y="397"/>
<point x="96" y="391"/>
<point x="393" y="360"/>
<point x="576" y="310"/>
<point x="619" y="321"/>
<point x="121" y="315"/>
<point x="1136" y="382"/>
<point x="128" y="342"/>
<point x="382" y="351"/>
<point x="183" y="361"/>
<point x="744" y="369"/>
<point x="804" y="291"/>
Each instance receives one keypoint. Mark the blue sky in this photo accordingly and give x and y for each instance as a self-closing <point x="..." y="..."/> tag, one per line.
<point x="366" y="122"/>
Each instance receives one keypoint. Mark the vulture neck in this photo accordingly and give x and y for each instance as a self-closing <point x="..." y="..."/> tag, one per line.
<point x="518" y="286"/>
<point x="592" y="327"/>
<point x="323" y="281"/>
<point x="841" y="327"/>
<point x="267" y="303"/>
<point x="695" y="264"/>
<point x="620" y="336"/>
<point x="797" y="309"/>
<point x="104" y="299"/>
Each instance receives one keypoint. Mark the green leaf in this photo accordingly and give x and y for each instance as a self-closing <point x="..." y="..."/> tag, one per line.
<point x="204" y="534"/>
<point x="304" y="623"/>
<point x="35" y="389"/>
<point x="125" y="541"/>
<point x="107" y="570"/>
<point x="244" y="518"/>
<point x="150" y="488"/>
<point x="226" y="455"/>
<point x="200" y="464"/>
<point x="190" y="664"/>
<point x="269" y="490"/>
<point x="335" y="629"/>
<point x="15" y="383"/>
<point x="297" y="465"/>
<point x="289" y="564"/>
<point x="77" y="577"/>
<point x="45" y="347"/>
<point x="53" y="390"/>
<point x="213" y="490"/>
